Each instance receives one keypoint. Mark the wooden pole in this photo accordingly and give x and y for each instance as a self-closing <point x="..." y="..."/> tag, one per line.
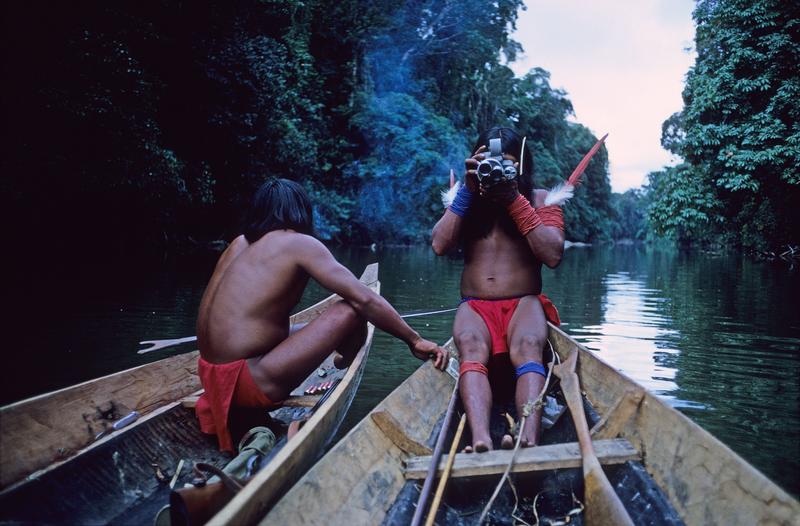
<point x="437" y="454"/>
<point x="446" y="473"/>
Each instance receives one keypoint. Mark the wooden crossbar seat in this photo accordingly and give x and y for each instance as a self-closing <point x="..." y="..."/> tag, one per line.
<point x="540" y="458"/>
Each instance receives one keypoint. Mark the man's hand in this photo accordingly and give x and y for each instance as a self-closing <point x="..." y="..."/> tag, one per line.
<point x="427" y="350"/>
<point x="471" y="167"/>
<point x="502" y="193"/>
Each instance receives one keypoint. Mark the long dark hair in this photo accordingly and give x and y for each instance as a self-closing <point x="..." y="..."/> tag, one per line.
<point x="279" y="204"/>
<point x="483" y="215"/>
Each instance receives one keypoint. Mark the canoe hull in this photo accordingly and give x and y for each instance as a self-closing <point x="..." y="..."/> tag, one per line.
<point x="695" y="476"/>
<point x="66" y="421"/>
<point x="114" y="480"/>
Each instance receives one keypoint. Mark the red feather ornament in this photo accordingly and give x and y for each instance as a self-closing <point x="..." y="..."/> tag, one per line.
<point x="564" y="191"/>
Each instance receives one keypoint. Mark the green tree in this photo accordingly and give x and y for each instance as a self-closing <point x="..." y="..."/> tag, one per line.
<point x="630" y="211"/>
<point x="739" y="131"/>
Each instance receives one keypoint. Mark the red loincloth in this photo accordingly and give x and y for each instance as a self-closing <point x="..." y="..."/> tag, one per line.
<point x="496" y="314"/>
<point x="225" y="385"/>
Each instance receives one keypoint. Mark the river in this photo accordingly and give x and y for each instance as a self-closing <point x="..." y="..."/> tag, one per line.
<point x="715" y="336"/>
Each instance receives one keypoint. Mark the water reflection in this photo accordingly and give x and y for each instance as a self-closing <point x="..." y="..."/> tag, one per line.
<point x="635" y="336"/>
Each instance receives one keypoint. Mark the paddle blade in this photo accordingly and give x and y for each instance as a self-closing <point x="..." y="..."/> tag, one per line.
<point x="575" y="178"/>
<point x="602" y="505"/>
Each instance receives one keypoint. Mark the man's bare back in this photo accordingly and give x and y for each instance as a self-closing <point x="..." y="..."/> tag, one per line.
<point x="245" y="309"/>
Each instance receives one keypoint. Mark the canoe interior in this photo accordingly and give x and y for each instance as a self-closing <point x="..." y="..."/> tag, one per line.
<point x="466" y="497"/>
<point x="361" y="480"/>
<point x="116" y="482"/>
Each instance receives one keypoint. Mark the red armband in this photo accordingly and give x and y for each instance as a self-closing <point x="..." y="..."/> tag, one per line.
<point x="524" y="215"/>
<point x="551" y="215"/>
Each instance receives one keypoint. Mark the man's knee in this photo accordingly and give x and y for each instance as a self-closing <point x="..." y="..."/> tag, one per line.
<point x="471" y="346"/>
<point x="343" y="313"/>
<point x="527" y="347"/>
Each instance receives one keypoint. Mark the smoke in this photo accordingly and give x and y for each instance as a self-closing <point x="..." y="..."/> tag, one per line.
<point x="410" y="147"/>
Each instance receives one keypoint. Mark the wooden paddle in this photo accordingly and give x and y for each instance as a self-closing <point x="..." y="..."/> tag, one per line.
<point x="155" y="345"/>
<point x="602" y="505"/>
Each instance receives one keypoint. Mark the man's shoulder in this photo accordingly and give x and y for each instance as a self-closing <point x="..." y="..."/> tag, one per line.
<point x="295" y="242"/>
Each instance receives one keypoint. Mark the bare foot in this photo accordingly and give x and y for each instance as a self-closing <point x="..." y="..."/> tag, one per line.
<point x="480" y="446"/>
<point x="467" y="449"/>
<point x="341" y="362"/>
<point x="525" y="442"/>
<point x="507" y="442"/>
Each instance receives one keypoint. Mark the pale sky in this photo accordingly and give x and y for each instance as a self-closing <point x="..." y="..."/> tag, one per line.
<point x="622" y="64"/>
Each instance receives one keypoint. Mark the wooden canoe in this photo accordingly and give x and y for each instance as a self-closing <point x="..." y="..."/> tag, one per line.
<point x="666" y="469"/>
<point x="54" y="469"/>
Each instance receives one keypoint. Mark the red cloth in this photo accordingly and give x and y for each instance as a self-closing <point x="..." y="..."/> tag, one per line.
<point x="225" y="385"/>
<point x="496" y="314"/>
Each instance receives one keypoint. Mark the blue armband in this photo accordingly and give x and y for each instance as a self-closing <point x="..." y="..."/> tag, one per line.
<point x="461" y="203"/>
<point x="531" y="367"/>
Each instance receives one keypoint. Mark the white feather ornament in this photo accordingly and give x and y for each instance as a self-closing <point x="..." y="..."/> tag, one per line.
<point x="448" y="196"/>
<point x="559" y="194"/>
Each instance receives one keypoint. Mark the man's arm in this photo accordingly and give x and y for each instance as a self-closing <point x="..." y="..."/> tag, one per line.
<point x="546" y="241"/>
<point x="545" y="235"/>
<point x="320" y="264"/>
<point x="445" y="233"/>
<point x="448" y="229"/>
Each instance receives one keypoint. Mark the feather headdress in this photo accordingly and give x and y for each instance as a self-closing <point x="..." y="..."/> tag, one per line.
<point x="562" y="192"/>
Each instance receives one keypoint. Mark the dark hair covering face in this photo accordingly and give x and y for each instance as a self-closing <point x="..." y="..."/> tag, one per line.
<point x="278" y="205"/>
<point x="483" y="215"/>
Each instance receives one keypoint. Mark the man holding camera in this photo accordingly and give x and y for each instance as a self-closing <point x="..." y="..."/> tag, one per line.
<point x="507" y="233"/>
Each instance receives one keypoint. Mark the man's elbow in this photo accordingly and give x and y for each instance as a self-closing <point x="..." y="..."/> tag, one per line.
<point x="553" y="259"/>
<point x="440" y="248"/>
<point x="362" y="303"/>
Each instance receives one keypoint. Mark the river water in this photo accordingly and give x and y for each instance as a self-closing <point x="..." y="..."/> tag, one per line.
<point x="715" y="336"/>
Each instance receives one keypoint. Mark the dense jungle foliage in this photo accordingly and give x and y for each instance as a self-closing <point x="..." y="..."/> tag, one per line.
<point x="134" y="127"/>
<point x="739" y="131"/>
<point x="140" y="125"/>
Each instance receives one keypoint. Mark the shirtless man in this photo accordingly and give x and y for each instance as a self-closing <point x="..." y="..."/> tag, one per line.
<point x="503" y="314"/>
<point x="249" y="355"/>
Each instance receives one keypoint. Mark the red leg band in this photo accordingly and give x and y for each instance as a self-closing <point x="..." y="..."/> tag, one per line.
<point x="477" y="367"/>
<point x="524" y="215"/>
